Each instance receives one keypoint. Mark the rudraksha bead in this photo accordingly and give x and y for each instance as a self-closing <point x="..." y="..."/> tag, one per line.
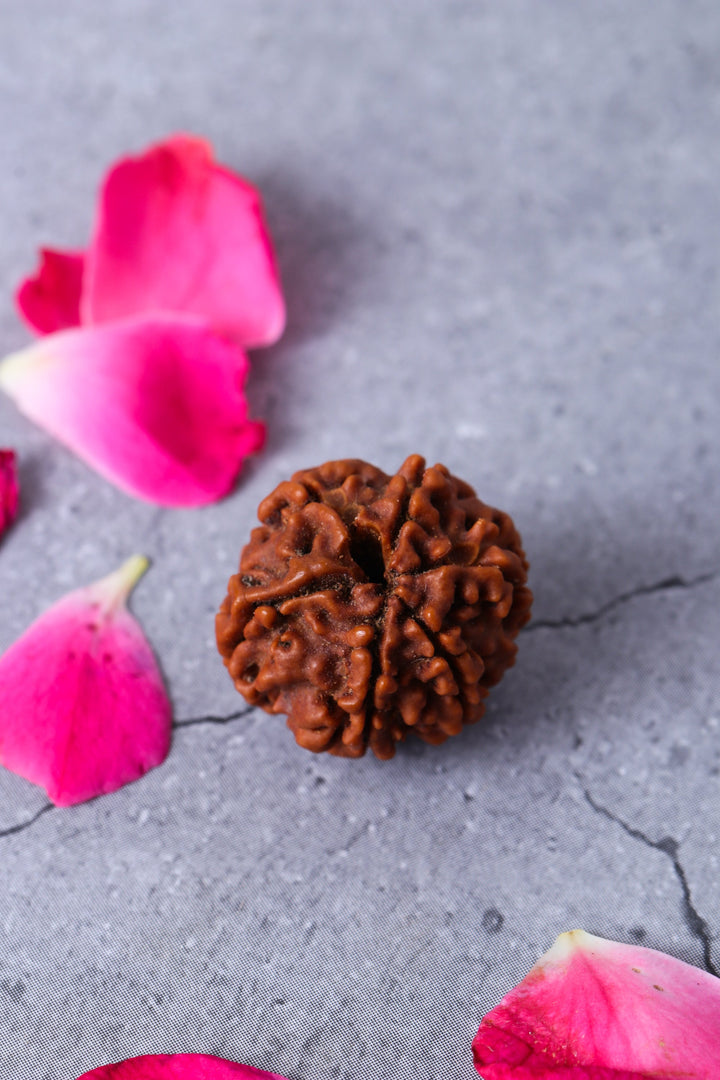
<point x="368" y="606"/>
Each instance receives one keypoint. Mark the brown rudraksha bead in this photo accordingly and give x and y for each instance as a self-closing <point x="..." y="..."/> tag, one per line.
<point x="368" y="606"/>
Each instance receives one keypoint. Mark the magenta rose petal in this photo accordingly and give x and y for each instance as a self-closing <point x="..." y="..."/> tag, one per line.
<point x="84" y="709"/>
<point x="177" y="232"/>
<point x="9" y="489"/>
<point x="177" y="1067"/>
<point x="593" y="1009"/>
<point x="49" y="300"/>
<point x="155" y="405"/>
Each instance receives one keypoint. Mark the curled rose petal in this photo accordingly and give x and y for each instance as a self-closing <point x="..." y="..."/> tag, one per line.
<point x="176" y="232"/>
<point x="49" y="300"/>
<point x="84" y="709"/>
<point x="155" y="405"/>
<point x="593" y="1009"/>
<point x="9" y="489"/>
<point x="177" y="1067"/>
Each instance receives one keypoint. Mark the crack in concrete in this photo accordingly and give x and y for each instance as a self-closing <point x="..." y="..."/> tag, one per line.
<point x="670" y="847"/>
<point x="12" y="830"/>
<point x="351" y="841"/>
<point x="674" y="582"/>
<point x="213" y="719"/>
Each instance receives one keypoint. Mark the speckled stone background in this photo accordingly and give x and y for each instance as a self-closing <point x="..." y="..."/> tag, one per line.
<point x="498" y="230"/>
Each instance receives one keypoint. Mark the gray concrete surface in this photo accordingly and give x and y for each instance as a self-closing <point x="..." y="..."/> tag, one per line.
<point x="497" y="225"/>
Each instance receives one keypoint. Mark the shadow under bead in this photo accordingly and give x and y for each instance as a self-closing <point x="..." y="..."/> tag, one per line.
<point x="368" y="606"/>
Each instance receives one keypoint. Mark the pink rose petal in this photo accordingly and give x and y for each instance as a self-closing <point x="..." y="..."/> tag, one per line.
<point x="155" y="405"/>
<point x="83" y="707"/>
<point x="593" y="1009"/>
<point x="50" y="299"/>
<point x="177" y="1067"/>
<point x="9" y="489"/>
<point x="176" y="232"/>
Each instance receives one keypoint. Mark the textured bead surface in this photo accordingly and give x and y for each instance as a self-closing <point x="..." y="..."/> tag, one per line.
<point x="367" y="606"/>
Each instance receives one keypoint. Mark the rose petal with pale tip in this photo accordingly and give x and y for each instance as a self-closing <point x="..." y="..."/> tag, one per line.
<point x="177" y="1067"/>
<point x="593" y="1009"/>
<point x="49" y="300"/>
<point x="84" y="709"/>
<point x="9" y="489"/>
<point x="155" y="405"/>
<point x="177" y="232"/>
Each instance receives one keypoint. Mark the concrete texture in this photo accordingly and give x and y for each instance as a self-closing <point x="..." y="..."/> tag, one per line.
<point x="497" y="225"/>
